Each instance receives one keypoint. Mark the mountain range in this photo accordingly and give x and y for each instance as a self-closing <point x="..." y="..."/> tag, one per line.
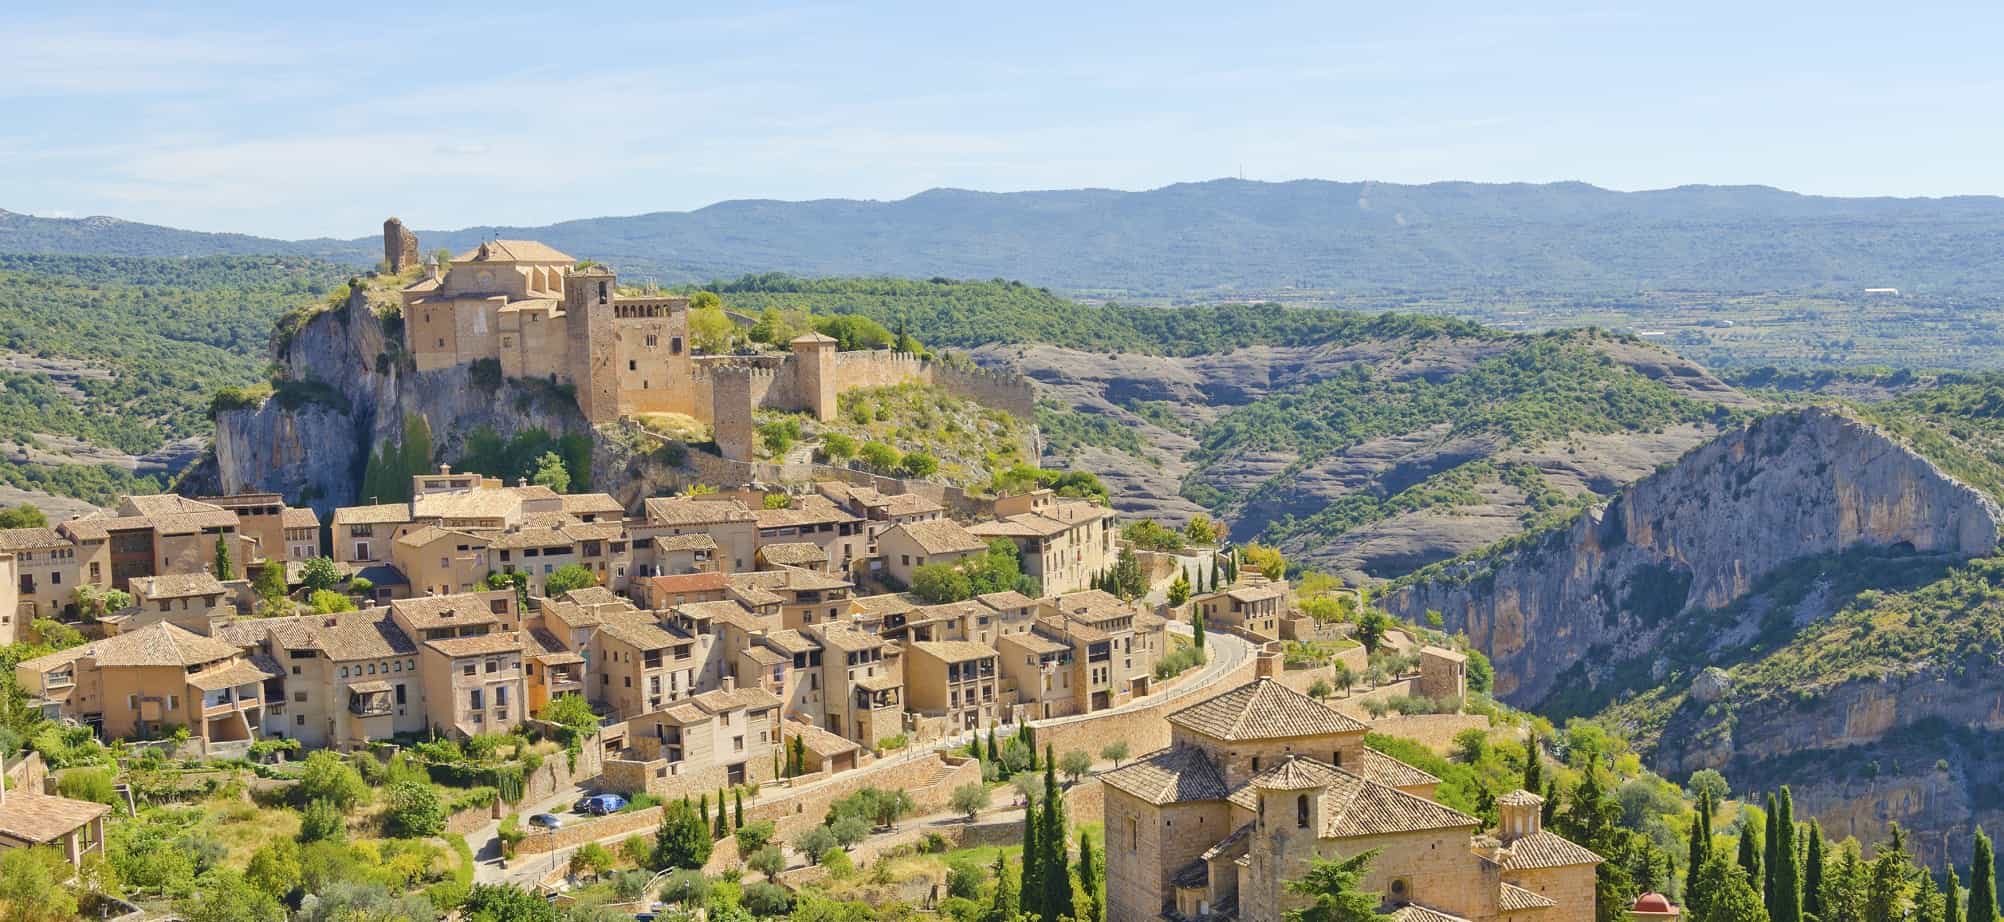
<point x="1227" y="236"/>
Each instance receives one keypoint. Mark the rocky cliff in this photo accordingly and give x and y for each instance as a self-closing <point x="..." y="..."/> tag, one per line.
<point x="348" y="391"/>
<point x="1696" y="534"/>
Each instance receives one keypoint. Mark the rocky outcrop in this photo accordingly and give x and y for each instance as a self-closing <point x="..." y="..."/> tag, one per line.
<point x="1699" y="533"/>
<point x="350" y="392"/>
<point x="1921" y="749"/>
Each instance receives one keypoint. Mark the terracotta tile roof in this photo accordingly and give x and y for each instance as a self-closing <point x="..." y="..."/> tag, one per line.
<point x="939" y="536"/>
<point x="592" y="503"/>
<point x="368" y="634"/>
<point x="419" y="537"/>
<point x="1520" y="798"/>
<point x="545" y="648"/>
<point x="640" y="631"/>
<point x="373" y="686"/>
<point x="595" y="531"/>
<point x="793" y="554"/>
<point x="1078" y="631"/>
<point x="1031" y="642"/>
<point x="686" y="510"/>
<point x="792" y="641"/>
<point x="1414" y="912"/>
<point x="695" y="542"/>
<point x="447" y="610"/>
<point x="1351" y="806"/>
<point x="1514" y="899"/>
<point x="889" y="603"/>
<point x="689" y="582"/>
<point x="775" y="580"/>
<point x="879" y="683"/>
<point x="755" y="597"/>
<point x="763" y="656"/>
<point x="1179" y="774"/>
<point x="750" y="698"/>
<point x="30" y="539"/>
<point x="1384" y="769"/>
<point x="821" y="741"/>
<point x="478" y="645"/>
<point x="1006" y="600"/>
<point x="533" y="537"/>
<point x="241" y="672"/>
<point x="44" y="818"/>
<point x="1444" y="653"/>
<point x="295" y="517"/>
<point x="1290" y="775"/>
<point x="176" y="585"/>
<point x="1546" y="849"/>
<point x="596" y="595"/>
<point x="726" y="611"/>
<point x="904" y="504"/>
<point x="158" y="504"/>
<point x="528" y="251"/>
<point x="162" y="643"/>
<point x="1263" y="709"/>
<point x="1232" y="846"/>
<point x="950" y="611"/>
<point x="954" y="651"/>
<point x="847" y="639"/>
<point x="188" y="523"/>
<point x="806" y="510"/>
<point x="1093" y="605"/>
<point x="381" y="514"/>
<point x="1259" y="592"/>
<point x="1026" y="525"/>
<point x="485" y="503"/>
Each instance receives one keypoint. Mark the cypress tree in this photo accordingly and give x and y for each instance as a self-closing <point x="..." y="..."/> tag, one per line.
<point x="703" y="810"/>
<point x="1534" y="772"/>
<point x="1089" y="881"/>
<point x="1983" y="882"/>
<point x="1032" y="898"/>
<point x="1056" y="870"/>
<point x="738" y="807"/>
<point x="224" y="568"/>
<point x="1812" y="873"/>
<point x="1770" y="858"/>
<point x="1951" y="900"/>
<point x="994" y="754"/>
<point x="1701" y="844"/>
<point x="1002" y="906"/>
<point x="1749" y="856"/>
<point x="1787" y="876"/>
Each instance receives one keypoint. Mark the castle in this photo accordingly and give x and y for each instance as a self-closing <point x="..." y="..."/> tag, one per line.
<point x="540" y="314"/>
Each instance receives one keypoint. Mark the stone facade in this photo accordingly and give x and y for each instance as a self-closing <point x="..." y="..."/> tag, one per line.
<point x="541" y="315"/>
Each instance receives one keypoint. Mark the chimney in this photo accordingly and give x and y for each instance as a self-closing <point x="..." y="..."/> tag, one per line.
<point x="437" y="270"/>
<point x="730" y="683"/>
<point x="521" y="481"/>
<point x="445" y="469"/>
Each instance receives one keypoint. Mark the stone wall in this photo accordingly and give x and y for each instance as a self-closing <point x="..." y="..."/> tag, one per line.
<point x="1435" y="731"/>
<point x="1002" y="389"/>
<point x="1142" y="727"/>
<point x="878" y="368"/>
<point x="28" y="773"/>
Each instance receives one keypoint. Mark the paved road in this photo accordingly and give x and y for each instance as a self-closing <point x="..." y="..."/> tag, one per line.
<point x="486" y="841"/>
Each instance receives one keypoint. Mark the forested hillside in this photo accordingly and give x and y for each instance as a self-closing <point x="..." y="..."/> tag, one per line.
<point x="1197" y="239"/>
<point x="107" y="364"/>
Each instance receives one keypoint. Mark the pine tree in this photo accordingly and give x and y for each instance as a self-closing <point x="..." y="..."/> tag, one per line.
<point x="1089" y="882"/>
<point x="1032" y="898"/>
<point x="1337" y="891"/>
<point x="1982" y="882"/>
<point x="1951" y="897"/>
<point x="1003" y="905"/>
<point x="1055" y="872"/>
<point x="1812" y="873"/>
<point x="1730" y="896"/>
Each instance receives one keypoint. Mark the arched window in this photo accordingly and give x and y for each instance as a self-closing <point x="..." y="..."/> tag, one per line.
<point x="1401" y="891"/>
<point x="1301" y="811"/>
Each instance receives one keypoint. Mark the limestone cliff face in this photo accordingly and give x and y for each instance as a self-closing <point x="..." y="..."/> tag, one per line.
<point x="1920" y="749"/>
<point x="314" y="450"/>
<point x="1699" y="533"/>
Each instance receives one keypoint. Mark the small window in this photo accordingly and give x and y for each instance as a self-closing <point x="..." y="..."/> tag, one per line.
<point x="1301" y="811"/>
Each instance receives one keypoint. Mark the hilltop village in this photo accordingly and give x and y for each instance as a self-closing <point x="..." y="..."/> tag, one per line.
<point x="785" y="648"/>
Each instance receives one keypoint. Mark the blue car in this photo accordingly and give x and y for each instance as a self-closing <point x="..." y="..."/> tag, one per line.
<point x="601" y="804"/>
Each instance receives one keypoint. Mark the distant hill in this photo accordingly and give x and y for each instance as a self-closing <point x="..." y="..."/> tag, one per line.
<point x="1227" y="236"/>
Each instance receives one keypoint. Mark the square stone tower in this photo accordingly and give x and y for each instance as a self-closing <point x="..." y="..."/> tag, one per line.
<point x="590" y="348"/>
<point x="814" y="370"/>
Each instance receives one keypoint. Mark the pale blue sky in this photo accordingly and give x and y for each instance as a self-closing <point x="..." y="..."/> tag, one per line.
<point x="255" y="119"/>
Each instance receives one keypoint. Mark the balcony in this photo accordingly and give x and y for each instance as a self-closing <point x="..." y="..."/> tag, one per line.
<point x="212" y="707"/>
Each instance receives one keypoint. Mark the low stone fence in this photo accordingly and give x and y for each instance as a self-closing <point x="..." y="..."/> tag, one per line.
<point x="1435" y="731"/>
<point x="1142" y="727"/>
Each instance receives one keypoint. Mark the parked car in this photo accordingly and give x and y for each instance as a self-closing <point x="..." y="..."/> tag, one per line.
<point x="602" y="804"/>
<point x="546" y="820"/>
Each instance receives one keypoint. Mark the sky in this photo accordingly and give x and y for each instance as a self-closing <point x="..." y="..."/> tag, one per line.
<point x="322" y="120"/>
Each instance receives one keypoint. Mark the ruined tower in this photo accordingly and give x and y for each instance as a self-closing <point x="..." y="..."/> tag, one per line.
<point x="588" y="333"/>
<point x="400" y="247"/>
<point x="814" y="371"/>
<point x="732" y="404"/>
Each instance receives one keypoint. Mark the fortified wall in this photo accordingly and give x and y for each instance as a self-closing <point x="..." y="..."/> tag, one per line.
<point x="539" y="314"/>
